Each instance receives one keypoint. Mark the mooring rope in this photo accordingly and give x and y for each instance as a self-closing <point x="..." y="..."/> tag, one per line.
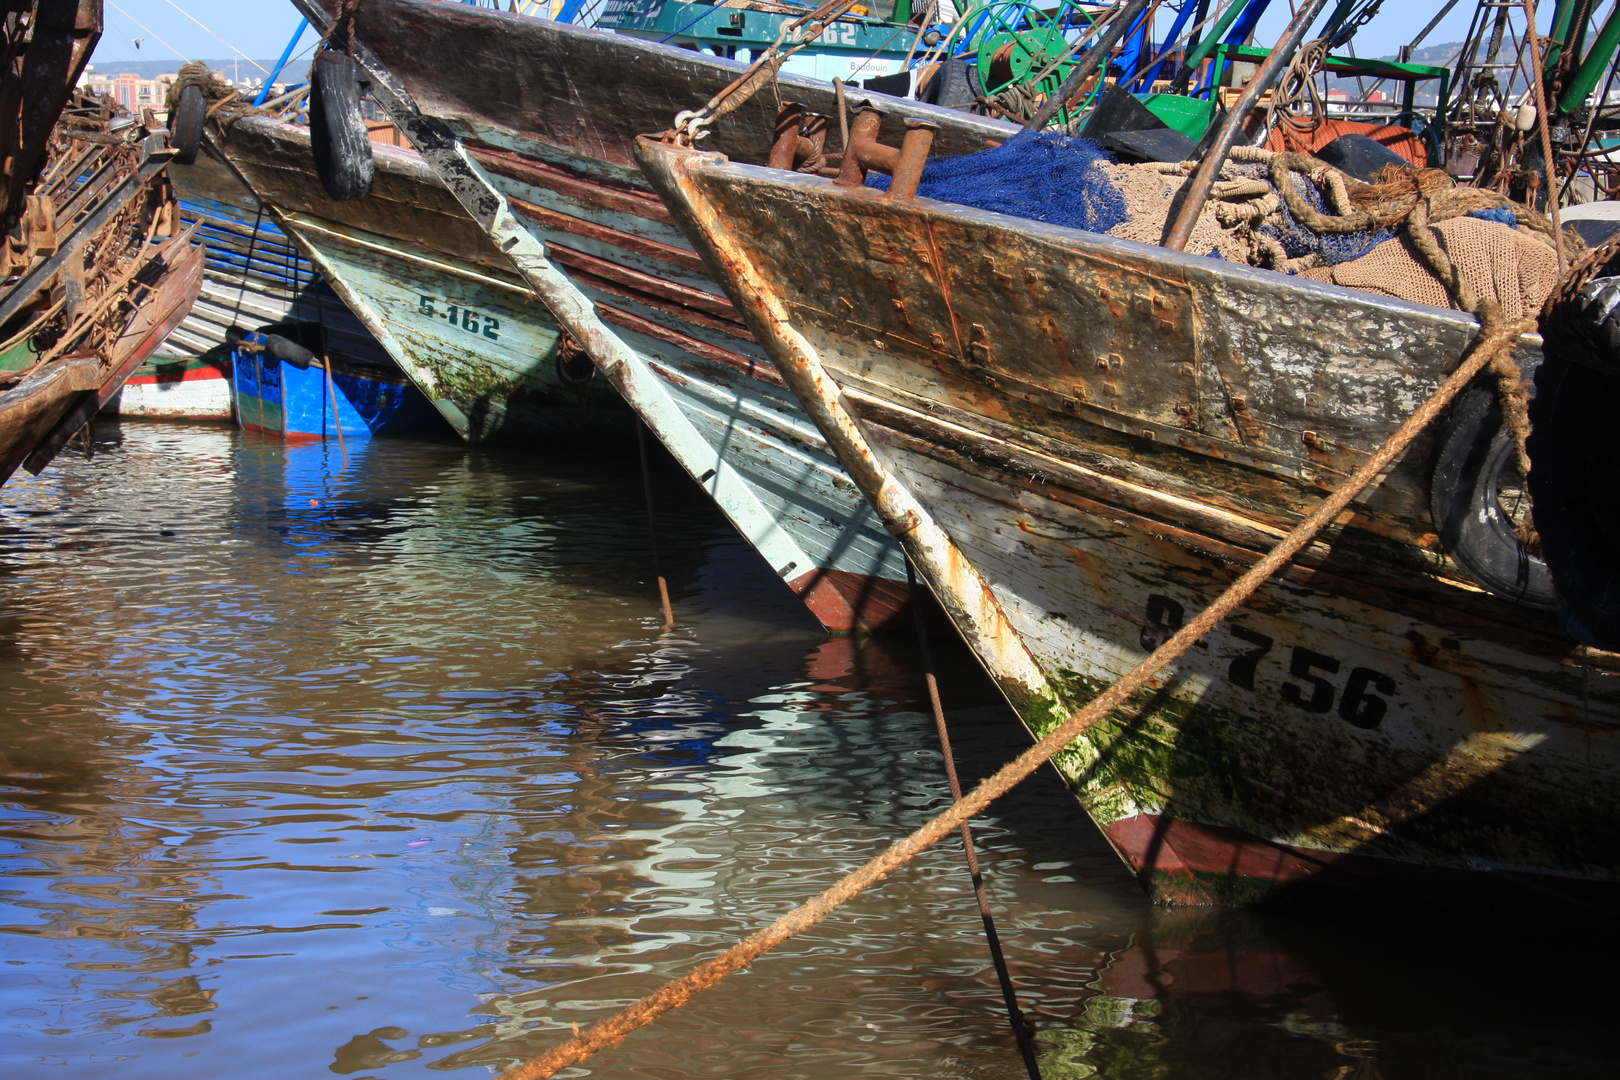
<point x="1492" y="338"/>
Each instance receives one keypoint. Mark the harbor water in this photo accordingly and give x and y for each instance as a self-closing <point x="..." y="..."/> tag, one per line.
<point x="390" y="770"/>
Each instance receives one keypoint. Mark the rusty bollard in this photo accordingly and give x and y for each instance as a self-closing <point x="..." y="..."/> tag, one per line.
<point x="905" y="164"/>
<point x="785" y="144"/>
<point x="800" y="140"/>
<point x="914" y="147"/>
<point x="862" y="145"/>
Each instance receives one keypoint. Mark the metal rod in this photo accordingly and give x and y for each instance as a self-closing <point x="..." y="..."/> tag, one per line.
<point x="286" y="54"/>
<point x="331" y="394"/>
<point x="1023" y="1031"/>
<point x="1124" y="15"/>
<point x="1197" y="194"/>
<point x="652" y="525"/>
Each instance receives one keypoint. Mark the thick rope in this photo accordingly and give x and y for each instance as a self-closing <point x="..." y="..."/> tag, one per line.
<point x="1297" y="83"/>
<point x="1492" y="338"/>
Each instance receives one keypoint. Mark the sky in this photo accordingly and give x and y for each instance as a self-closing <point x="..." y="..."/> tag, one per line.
<point x="256" y="28"/>
<point x="260" y="28"/>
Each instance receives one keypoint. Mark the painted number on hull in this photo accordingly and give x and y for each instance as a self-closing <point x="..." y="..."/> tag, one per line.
<point x="1308" y="687"/>
<point x="466" y="318"/>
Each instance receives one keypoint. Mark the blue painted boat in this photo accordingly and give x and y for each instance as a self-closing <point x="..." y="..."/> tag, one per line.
<point x="282" y="389"/>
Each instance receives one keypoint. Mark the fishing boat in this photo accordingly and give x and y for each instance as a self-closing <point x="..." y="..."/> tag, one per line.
<point x="97" y="269"/>
<point x="430" y="288"/>
<point x="548" y="148"/>
<point x="1082" y="440"/>
<point x="287" y="389"/>
<point x="254" y="276"/>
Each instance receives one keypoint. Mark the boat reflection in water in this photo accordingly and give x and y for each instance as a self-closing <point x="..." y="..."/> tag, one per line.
<point x="394" y="768"/>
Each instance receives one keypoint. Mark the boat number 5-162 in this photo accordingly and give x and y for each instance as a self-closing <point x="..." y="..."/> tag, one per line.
<point x="466" y="318"/>
<point x="1308" y="686"/>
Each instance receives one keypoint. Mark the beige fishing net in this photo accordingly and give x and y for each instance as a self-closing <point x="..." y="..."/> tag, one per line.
<point x="1516" y="269"/>
<point x="1250" y="215"/>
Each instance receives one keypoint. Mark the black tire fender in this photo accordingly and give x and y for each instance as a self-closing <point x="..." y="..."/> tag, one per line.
<point x="186" y="123"/>
<point x="1574" y="439"/>
<point x="1474" y="463"/>
<point x="337" y="129"/>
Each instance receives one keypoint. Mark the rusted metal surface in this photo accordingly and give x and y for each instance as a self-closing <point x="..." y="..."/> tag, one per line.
<point x="1088" y="439"/>
<point x="46" y="46"/>
<point x="97" y="298"/>
<point x="542" y="157"/>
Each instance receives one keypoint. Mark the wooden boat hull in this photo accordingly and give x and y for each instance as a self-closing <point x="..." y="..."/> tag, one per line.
<point x="177" y="388"/>
<point x="253" y="276"/>
<point x="1083" y="441"/>
<point x="42" y="412"/>
<point x="406" y="256"/>
<point x="550" y="112"/>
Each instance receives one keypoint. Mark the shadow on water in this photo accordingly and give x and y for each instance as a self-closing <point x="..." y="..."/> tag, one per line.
<point x="391" y="772"/>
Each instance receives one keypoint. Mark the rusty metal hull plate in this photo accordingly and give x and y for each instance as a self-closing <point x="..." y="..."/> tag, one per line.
<point x="1022" y="385"/>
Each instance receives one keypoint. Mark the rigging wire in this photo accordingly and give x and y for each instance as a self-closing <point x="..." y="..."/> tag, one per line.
<point x="221" y="40"/>
<point x="183" y="57"/>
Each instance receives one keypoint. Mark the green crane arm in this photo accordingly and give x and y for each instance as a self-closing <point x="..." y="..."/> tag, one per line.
<point x="1594" y="66"/>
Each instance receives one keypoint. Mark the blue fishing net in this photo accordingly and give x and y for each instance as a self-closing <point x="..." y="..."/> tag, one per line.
<point x="1297" y="240"/>
<point x="1041" y="176"/>
<point x="1502" y="215"/>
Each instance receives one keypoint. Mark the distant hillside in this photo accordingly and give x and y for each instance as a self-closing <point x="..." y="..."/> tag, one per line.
<point x="1442" y="55"/>
<point x="151" y="69"/>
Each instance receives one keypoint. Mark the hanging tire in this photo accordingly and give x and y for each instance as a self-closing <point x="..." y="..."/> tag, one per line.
<point x="337" y="130"/>
<point x="186" y="123"/>
<point x="1473" y="493"/>
<point x="1574" y="439"/>
<point x="954" y="86"/>
<point x="1586" y="327"/>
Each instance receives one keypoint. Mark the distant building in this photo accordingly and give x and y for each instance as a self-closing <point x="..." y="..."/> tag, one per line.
<point x="129" y="90"/>
<point x="133" y="92"/>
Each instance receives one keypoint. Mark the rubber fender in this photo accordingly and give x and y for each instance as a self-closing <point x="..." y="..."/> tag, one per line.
<point x="954" y="86"/>
<point x="186" y="123"/>
<point x="286" y="349"/>
<point x="272" y="345"/>
<point x="1475" y="463"/>
<point x="337" y="130"/>
<point x="1575" y="489"/>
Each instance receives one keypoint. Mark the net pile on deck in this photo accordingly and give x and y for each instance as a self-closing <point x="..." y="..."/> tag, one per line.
<point x="1326" y="225"/>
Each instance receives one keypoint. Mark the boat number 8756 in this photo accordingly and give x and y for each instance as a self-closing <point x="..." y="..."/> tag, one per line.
<point x="465" y="318"/>
<point x="1308" y="686"/>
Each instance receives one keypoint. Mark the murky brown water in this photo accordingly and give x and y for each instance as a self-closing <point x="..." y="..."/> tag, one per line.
<point x="407" y="779"/>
